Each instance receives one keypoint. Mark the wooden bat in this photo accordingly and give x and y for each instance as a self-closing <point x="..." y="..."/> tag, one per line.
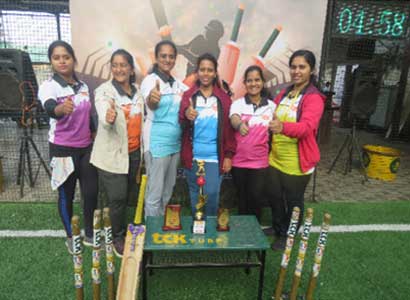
<point x="77" y="258"/>
<point x="293" y="226"/>
<point x="133" y="250"/>
<point x="320" y="249"/>
<point x="301" y="254"/>
<point x="109" y="254"/>
<point x="95" y="269"/>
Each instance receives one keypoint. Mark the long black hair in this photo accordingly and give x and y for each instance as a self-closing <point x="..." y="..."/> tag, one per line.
<point x="212" y="59"/>
<point x="67" y="47"/>
<point x="158" y="47"/>
<point x="128" y="57"/>
<point x="310" y="59"/>
<point x="61" y="43"/>
<point x="264" y="92"/>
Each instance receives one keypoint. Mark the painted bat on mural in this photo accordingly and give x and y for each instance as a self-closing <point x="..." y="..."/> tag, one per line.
<point x="237" y="86"/>
<point x="229" y="57"/>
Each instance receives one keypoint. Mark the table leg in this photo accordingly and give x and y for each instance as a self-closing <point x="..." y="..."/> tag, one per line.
<point x="144" y="276"/>
<point x="150" y="261"/>
<point x="248" y="256"/>
<point x="261" y="274"/>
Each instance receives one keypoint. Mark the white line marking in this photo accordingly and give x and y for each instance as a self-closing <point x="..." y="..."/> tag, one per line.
<point x="333" y="229"/>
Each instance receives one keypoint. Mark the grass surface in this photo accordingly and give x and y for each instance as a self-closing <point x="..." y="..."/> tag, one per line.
<point x="356" y="266"/>
<point x="38" y="216"/>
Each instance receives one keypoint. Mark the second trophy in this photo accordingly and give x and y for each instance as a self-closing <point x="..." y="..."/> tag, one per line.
<point x="199" y="223"/>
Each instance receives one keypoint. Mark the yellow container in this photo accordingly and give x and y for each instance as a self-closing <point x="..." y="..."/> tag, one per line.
<point x="381" y="162"/>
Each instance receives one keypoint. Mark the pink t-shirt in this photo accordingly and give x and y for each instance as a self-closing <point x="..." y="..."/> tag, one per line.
<point x="252" y="149"/>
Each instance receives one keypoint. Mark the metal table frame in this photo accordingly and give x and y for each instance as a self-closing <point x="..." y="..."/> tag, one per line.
<point x="148" y="264"/>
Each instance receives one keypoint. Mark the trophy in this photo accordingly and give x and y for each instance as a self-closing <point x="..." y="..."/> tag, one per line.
<point x="223" y="219"/>
<point x="199" y="223"/>
<point x="172" y="218"/>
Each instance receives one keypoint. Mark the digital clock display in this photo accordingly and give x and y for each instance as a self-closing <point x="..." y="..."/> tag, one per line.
<point x="371" y="18"/>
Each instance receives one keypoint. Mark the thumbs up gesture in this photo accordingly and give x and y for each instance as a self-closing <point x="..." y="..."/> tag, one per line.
<point x="276" y="126"/>
<point x="111" y="113"/>
<point x="243" y="128"/>
<point x="155" y="94"/>
<point x="190" y="112"/>
<point x="68" y="106"/>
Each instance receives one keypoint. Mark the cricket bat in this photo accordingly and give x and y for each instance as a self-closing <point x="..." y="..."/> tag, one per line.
<point x="292" y="230"/>
<point x="109" y="254"/>
<point x="133" y="250"/>
<point x="96" y="256"/>
<point x="320" y="249"/>
<point x="77" y="258"/>
<point x="301" y="254"/>
<point x="161" y="19"/>
<point x="238" y="87"/>
<point x="229" y="57"/>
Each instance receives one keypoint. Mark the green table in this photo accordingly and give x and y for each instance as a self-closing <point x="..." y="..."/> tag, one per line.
<point x="245" y="236"/>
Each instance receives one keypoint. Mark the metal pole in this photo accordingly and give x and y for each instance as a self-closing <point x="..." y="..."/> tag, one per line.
<point x="398" y="107"/>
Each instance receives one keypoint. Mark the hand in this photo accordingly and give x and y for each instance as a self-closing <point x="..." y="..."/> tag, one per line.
<point x="227" y="165"/>
<point x="243" y="128"/>
<point x="190" y="112"/>
<point x="155" y="94"/>
<point x="68" y="106"/>
<point x="111" y="113"/>
<point x="165" y="30"/>
<point x="275" y="125"/>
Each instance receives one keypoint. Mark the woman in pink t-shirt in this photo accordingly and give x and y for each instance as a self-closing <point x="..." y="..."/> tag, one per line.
<point x="250" y="116"/>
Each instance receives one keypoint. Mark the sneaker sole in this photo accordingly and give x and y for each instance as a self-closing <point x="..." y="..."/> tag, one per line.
<point x="68" y="248"/>
<point x="116" y="253"/>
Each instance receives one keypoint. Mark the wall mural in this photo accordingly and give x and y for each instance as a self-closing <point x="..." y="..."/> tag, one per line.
<point x="263" y="32"/>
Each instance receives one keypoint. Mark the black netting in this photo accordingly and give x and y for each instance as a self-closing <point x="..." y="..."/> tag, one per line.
<point x="364" y="71"/>
<point x="26" y="30"/>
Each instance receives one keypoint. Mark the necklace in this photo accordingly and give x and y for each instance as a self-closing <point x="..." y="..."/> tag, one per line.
<point x="293" y="94"/>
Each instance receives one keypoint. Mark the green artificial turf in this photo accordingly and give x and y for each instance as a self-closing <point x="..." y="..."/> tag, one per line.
<point x="37" y="216"/>
<point x="356" y="266"/>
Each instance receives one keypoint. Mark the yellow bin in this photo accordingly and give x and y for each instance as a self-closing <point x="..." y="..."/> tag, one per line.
<point x="381" y="162"/>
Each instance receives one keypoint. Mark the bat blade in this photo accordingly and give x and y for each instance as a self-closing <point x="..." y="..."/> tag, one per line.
<point x="131" y="263"/>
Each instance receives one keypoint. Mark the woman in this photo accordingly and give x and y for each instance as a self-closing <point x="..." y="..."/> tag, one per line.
<point x="207" y="133"/>
<point x="295" y="152"/>
<point x="67" y="101"/>
<point x="162" y="132"/>
<point x="250" y="116"/>
<point x="116" y="151"/>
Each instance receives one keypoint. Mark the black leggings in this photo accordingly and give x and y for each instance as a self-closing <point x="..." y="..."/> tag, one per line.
<point x="87" y="175"/>
<point x="120" y="189"/>
<point x="285" y="192"/>
<point x="250" y="184"/>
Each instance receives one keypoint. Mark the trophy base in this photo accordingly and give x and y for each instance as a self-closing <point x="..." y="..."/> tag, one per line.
<point x="170" y="228"/>
<point x="220" y="228"/>
<point x="198" y="227"/>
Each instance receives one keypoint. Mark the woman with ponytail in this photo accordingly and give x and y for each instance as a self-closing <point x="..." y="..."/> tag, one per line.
<point x="294" y="152"/>
<point x="116" y="152"/>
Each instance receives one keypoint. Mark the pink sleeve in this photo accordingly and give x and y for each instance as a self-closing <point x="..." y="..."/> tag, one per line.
<point x="311" y="113"/>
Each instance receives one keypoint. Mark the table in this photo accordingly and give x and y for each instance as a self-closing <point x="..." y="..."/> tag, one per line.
<point x="244" y="237"/>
